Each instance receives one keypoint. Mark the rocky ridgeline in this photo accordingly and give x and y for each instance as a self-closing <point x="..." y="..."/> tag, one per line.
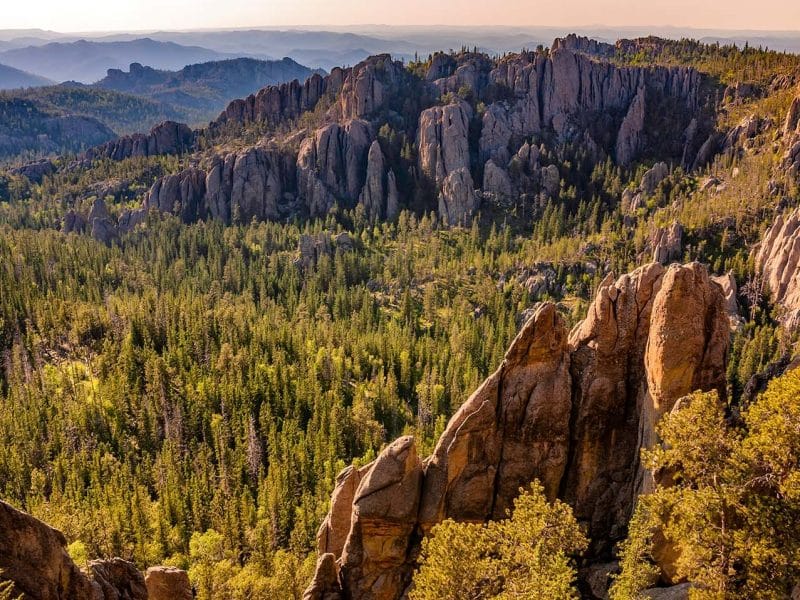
<point x="168" y="137"/>
<point x="571" y="409"/>
<point x="34" y="557"/>
<point x="569" y="93"/>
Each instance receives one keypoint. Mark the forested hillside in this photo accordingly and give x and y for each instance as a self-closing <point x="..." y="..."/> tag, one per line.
<point x="200" y="330"/>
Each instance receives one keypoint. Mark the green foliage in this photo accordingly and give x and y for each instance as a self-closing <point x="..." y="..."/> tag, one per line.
<point x="728" y="502"/>
<point x="527" y="555"/>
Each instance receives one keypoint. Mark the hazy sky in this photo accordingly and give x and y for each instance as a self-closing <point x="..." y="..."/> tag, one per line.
<point x="89" y="15"/>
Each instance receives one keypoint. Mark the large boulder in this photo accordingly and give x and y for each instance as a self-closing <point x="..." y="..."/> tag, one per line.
<point x="168" y="583"/>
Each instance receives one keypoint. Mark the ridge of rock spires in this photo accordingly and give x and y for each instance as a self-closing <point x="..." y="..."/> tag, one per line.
<point x="572" y="410"/>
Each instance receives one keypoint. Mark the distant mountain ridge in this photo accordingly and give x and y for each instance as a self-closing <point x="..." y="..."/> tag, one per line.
<point x="204" y="88"/>
<point x="87" y="61"/>
<point x="11" y="78"/>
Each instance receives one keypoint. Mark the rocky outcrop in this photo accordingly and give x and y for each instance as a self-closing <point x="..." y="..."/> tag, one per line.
<point x="168" y="137"/>
<point x="369" y="86"/>
<point x="100" y="224"/>
<point x="167" y="583"/>
<point x="653" y="177"/>
<point x="181" y="194"/>
<point x="457" y="198"/>
<point x="778" y="261"/>
<point x="585" y="45"/>
<point x="35" y="171"/>
<point x="331" y="165"/>
<point x="791" y="131"/>
<point x="667" y="243"/>
<point x="34" y="558"/>
<point x="496" y="181"/>
<point x="443" y="143"/>
<point x="325" y="585"/>
<point x="379" y="197"/>
<point x="629" y="138"/>
<point x="384" y="512"/>
<point x="730" y="291"/>
<point x="117" y="579"/>
<point x="275" y="104"/>
<point x="571" y="410"/>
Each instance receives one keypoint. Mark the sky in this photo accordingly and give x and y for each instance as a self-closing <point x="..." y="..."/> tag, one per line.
<point x="132" y="15"/>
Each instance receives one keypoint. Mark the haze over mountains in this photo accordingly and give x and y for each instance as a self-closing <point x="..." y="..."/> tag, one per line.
<point x="85" y="57"/>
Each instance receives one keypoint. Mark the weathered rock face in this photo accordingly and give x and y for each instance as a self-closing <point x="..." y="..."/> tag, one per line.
<point x="275" y="104"/>
<point x="100" y="224"/>
<point x="791" y="131"/>
<point x="168" y="137"/>
<point x="384" y="511"/>
<point x="629" y="138"/>
<point x="585" y="45"/>
<point x="34" y="557"/>
<point x="331" y="165"/>
<point x="35" y="171"/>
<point x="514" y="428"/>
<point x="181" y="194"/>
<point x="117" y="579"/>
<point x="667" y="243"/>
<point x="379" y="197"/>
<point x="653" y="177"/>
<point x="443" y="142"/>
<point x="778" y="260"/>
<point x="572" y="411"/>
<point x="368" y="86"/>
<point x="167" y="583"/>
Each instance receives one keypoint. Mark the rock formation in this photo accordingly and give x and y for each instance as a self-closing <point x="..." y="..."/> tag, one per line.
<point x="571" y="410"/>
<point x="165" y="138"/>
<point x="331" y="165"/>
<point x="34" y="557"/>
<point x="571" y="94"/>
<point x="379" y="197"/>
<point x="443" y="143"/>
<point x="167" y="583"/>
<point x="791" y="131"/>
<point x="629" y="138"/>
<point x="667" y="243"/>
<point x="778" y="261"/>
